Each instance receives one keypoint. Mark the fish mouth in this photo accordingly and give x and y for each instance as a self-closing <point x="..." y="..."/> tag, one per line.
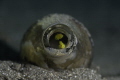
<point x="59" y="40"/>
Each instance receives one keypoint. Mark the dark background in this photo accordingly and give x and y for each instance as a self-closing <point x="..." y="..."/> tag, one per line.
<point x="101" y="17"/>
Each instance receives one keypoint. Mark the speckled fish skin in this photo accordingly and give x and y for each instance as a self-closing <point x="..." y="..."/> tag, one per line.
<point x="36" y="46"/>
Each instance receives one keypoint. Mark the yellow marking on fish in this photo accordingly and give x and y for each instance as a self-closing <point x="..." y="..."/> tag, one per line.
<point x="58" y="36"/>
<point x="61" y="44"/>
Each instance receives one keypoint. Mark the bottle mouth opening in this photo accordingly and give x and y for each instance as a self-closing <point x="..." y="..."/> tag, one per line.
<point x="59" y="40"/>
